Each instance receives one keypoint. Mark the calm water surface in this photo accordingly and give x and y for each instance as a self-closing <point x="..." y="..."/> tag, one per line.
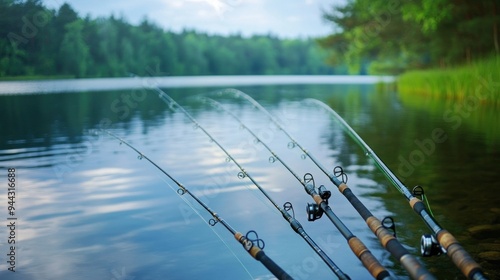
<point x="88" y="208"/>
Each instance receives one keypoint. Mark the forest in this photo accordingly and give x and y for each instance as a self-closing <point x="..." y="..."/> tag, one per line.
<point x="39" y="42"/>
<point x="394" y="36"/>
<point x="371" y="37"/>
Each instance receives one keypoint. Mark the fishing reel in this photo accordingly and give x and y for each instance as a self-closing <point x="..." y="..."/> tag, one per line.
<point x="314" y="211"/>
<point x="429" y="246"/>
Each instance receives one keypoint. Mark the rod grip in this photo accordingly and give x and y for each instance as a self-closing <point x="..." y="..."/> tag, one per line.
<point x="259" y="255"/>
<point x="416" y="270"/>
<point x="247" y="244"/>
<point x="368" y="260"/>
<point x="277" y="271"/>
<point x="355" y="202"/>
<point x="459" y="256"/>
<point x="391" y="244"/>
<point x="317" y="199"/>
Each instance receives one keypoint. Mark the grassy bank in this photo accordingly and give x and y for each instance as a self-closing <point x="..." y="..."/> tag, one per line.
<point x="480" y="79"/>
<point x="467" y="95"/>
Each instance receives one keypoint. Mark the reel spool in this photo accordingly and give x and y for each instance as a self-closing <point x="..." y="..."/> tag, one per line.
<point x="429" y="246"/>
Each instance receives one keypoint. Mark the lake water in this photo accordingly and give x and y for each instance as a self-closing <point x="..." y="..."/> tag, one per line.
<point x="88" y="208"/>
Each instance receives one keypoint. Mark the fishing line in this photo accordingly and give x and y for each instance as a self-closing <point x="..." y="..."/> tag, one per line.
<point x="244" y="174"/>
<point x="445" y="239"/>
<point x="140" y="157"/>
<point x="368" y="260"/>
<point x="239" y="175"/>
<point x="254" y="246"/>
<point x="208" y="223"/>
<point x="418" y="191"/>
<point x="415" y="269"/>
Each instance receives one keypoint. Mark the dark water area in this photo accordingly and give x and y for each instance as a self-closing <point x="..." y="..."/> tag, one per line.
<point x="87" y="207"/>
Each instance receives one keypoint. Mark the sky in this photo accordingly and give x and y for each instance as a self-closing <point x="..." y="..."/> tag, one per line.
<point x="284" y="18"/>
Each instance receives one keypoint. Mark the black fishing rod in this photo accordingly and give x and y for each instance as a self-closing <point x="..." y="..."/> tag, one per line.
<point x="296" y="226"/>
<point x="429" y="246"/>
<point x="356" y="245"/>
<point x="254" y="246"/>
<point x="415" y="269"/>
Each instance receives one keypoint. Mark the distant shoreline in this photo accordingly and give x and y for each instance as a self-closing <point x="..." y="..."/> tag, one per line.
<point x="96" y="84"/>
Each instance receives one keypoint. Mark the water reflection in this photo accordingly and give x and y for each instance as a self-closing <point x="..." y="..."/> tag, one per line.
<point x="89" y="208"/>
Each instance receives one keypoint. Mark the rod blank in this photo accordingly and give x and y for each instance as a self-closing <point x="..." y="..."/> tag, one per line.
<point x="396" y="249"/>
<point x="256" y="252"/>
<point x="458" y="254"/>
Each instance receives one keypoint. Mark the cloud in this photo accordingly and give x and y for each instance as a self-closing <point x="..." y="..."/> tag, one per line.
<point x="218" y="6"/>
<point x="247" y="17"/>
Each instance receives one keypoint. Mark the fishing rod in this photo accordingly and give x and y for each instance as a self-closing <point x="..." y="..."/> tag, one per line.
<point x="446" y="242"/>
<point x="287" y="207"/>
<point x="254" y="246"/>
<point x="356" y="245"/>
<point x="415" y="269"/>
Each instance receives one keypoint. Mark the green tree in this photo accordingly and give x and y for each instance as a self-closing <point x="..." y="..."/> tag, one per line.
<point x="38" y="41"/>
<point x="397" y="35"/>
<point x="74" y="50"/>
<point x="192" y="54"/>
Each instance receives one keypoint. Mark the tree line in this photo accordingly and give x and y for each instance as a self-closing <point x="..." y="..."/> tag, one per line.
<point x="393" y="36"/>
<point x="35" y="40"/>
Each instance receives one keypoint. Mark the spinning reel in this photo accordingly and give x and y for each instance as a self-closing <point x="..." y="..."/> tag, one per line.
<point x="429" y="246"/>
<point x="314" y="210"/>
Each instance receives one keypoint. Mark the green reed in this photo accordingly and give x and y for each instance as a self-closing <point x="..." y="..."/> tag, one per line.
<point x="480" y="78"/>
